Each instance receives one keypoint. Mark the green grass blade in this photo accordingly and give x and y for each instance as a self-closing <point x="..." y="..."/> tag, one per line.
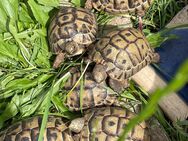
<point x="54" y="89"/>
<point x="177" y="83"/>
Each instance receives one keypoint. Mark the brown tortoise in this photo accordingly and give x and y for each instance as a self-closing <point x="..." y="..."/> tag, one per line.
<point x="120" y="6"/>
<point x="100" y="124"/>
<point x="119" y="55"/>
<point x="70" y="32"/>
<point x="28" y="130"/>
<point x="107" y="124"/>
<point x="94" y="94"/>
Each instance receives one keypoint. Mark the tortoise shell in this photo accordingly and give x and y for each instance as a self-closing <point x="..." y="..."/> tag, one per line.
<point x="28" y="130"/>
<point x="120" y="6"/>
<point x="72" y="24"/>
<point x="107" y="124"/>
<point x="93" y="95"/>
<point x="123" y="53"/>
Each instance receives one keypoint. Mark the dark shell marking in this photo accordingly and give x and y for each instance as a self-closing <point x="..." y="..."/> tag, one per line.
<point x="69" y="24"/>
<point x="107" y="123"/>
<point x="122" y="6"/>
<point x="28" y="130"/>
<point x="94" y="94"/>
<point x="123" y="52"/>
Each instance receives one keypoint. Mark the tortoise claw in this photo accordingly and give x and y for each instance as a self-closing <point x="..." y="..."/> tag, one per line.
<point x="58" y="60"/>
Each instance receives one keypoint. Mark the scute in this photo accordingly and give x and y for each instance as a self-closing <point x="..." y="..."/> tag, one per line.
<point x="107" y="123"/>
<point x="28" y="130"/>
<point x="94" y="94"/>
<point x="72" y="24"/>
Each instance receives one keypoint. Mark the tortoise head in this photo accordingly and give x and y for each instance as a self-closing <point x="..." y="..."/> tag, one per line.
<point x="72" y="49"/>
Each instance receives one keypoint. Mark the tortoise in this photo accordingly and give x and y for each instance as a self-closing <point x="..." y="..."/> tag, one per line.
<point x="119" y="6"/>
<point x="93" y="95"/>
<point x="70" y="31"/>
<point x="119" y="55"/>
<point x="106" y="124"/>
<point x="28" y="130"/>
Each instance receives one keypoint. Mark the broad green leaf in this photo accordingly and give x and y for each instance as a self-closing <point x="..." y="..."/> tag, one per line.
<point x="4" y="82"/>
<point x="78" y="3"/>
<point x="22" y="84"/>
<point x="24" y="14"/>
<point x="25" y="83"/>
<point x="7" y="62"/>
<point x="15" y="5"/>
<point x="32" y="94"/>
<point x="38" y="12"/>
<point x="10" y="51"/>
<point x="53" y="3"/>
<point x="41" y="54"/>
<point x="156" y="39"/>
<point x="10" y="111"/>
<point x="9" y="8"/>
<point x="10" y="54"/>
<point x="30" y="108"/>
<point x="3" y="20"/>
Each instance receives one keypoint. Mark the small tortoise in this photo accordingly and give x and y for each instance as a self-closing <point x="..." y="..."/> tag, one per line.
<point x="70" y="32"/>
<point x="119" y="55"/>
<point x="93" y="95"/>
<point x="107" y="124"/>
<point x="28" y="130"/>
<point x="120" y="6"/>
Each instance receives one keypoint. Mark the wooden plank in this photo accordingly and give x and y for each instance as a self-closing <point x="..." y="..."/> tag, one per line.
<point x="172" y="105"/>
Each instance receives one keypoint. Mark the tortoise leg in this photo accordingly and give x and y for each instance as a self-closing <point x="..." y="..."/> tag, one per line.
<point x="156" y="58"/>
<point x="58" y="60"/>
<point x="88" y="4"/>
<point x="99" y="73"/>
<point x="118" y="86"/>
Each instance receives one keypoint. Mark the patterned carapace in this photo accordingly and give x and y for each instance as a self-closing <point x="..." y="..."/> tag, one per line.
<point x="123" y="52"/>
<point x="28" y="130"/>
<point x="71" y="23"/>
<point x="120" y="6"/>
<point x="93" y="94"/>
<point x="107" y="124"/>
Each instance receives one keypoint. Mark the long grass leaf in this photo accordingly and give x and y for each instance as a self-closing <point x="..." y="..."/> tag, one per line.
<point x="54" y="89"/>
<point x="177" y="83"/>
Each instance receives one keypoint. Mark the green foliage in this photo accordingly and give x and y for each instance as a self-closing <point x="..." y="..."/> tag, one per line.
<point x="28" y="84"/>
<point x="40" y="12"/>
<point x="26" y="73"/>
<point x="161" y="12"/>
